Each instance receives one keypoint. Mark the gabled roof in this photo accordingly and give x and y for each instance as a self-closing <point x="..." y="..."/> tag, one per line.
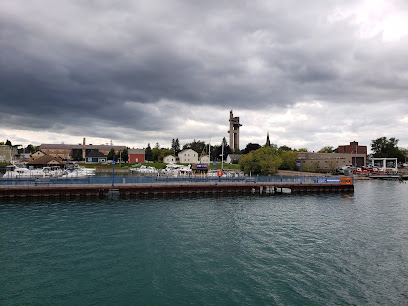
<point x="235" y="156"/>
<point x="44" y="160"/>
<point x="95" y="154"/>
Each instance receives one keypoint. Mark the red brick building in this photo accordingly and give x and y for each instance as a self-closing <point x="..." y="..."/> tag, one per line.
<point x="353" y="148"/>
<point x="136" y="156"/>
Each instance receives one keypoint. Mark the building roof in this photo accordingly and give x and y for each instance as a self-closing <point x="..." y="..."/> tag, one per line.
<point x="136" y="151"/>
<point x="95" y="154"/>
<point x="62" y="146"/>
<point x="186" y="151"/>
<point x="44" y="160"/>
<point x="235" y="156"/>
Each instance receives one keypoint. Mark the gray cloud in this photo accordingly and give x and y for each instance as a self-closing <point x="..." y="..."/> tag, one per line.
<point x="92" y="67"/>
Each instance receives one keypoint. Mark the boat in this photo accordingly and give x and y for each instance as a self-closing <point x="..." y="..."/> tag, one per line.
<point x="20" y="171"/>
<point x="144" y="170"/>
<point x="78" y="172"/>
<point x="175" y="170"/>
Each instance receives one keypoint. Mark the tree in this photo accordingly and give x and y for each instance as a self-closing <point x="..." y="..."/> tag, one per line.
<point x="77" y="156"/>
<point x="251" y="147"/>
<point x="326" y="149"/>
<point x="125" y="155"/>
<point x="198" y="146"/>
<point x="227" y="151"/>
<point x="263" y="161"/>
<point x="284" y="148"/>
<point x="383" y="147"/>
<point x="148" y="153"/>
<point x="111" y="154"/>
<point x="122" y="155"/>
<point x="175" y="146"/>
<point x="289" y="160"/>
<point x="8" y="143"/>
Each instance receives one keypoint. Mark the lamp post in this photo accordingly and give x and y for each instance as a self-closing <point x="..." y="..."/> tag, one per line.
<point x="299" y="163"/>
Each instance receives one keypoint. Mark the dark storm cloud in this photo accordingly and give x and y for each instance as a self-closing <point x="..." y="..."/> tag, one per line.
<point x="77" y="65"/>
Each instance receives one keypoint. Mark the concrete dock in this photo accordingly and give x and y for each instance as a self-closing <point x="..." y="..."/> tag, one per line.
<point x="163" y="189"/>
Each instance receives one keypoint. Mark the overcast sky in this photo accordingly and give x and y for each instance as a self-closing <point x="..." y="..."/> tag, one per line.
<point x="311" y="73"/>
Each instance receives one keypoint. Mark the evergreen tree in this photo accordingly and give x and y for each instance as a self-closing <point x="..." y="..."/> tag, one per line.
<point x="125" y="155"/>
<point x="111" y="154"/>
<point x="177" y="146"/>
<point x="148" y="153"/>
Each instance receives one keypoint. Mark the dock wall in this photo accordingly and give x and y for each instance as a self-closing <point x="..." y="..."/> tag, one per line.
<point x="131" y="190"/>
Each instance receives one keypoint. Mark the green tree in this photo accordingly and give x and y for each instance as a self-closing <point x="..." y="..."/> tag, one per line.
<point x="198" y="146"/>
<point x="125" y="155"/>
<point x="111" y="154"/>
<point x="8" y="143"/>
<point x="284" y="148"/>
<point x="175" y="146"/>
<point x="263" y="161"/>
<point x="383" y="147"/>
<point x="251" y="147"/>
<point x="148" y="153"/>
<point x="77" y="156"/>
<point x="326" y="149"/>
<point x="289" y="160"/>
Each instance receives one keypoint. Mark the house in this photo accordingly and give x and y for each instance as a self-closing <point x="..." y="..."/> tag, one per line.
<point x="205" y="159"/>
<point x="36" y="155"/>
<point x="136" y="156"/>
<point x="95" y="157"/>
<point x="188" y="156"/>
<point x="233" y="158"/>
<point x="169" y="159"/>
<point x="46" y="161"/>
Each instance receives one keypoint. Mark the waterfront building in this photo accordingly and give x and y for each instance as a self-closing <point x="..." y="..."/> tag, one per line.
<point x="67" y="151"/>
<point x="329" y="162"/>
<point x="136" y="156"/>
<point x="46" y="161"/>
<point x="188" y="156"/>
<point x="96" y="157"/>
<point x="169" y="159"/>
<point x="205" y="159"/>
<point x="233" y="158"/>
<point x="355" y="149"/>
<point x="36" y="155"/>
<point x="8" y="153"/>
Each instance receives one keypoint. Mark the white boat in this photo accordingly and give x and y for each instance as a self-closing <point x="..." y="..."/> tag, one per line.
<point x="175" y="170"/>
<point x="78" y="172"/>
<point x="144" y="170"/>
<point x="17" y="171"/>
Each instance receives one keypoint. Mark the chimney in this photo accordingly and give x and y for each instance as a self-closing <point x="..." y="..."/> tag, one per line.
<point x="83" y="149"/>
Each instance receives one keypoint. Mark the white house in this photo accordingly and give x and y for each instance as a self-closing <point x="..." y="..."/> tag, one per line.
<point x="233" y="158"/>
<point x="169" y="159"/>
<point x="205" y="159"/>
<point x="188" y="156"/>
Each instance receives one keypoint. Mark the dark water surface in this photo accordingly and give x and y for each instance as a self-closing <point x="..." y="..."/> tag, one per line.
<point x="281" y="249"/>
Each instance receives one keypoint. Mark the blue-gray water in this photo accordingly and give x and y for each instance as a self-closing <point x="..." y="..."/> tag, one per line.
<point x="282" y="249"/>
